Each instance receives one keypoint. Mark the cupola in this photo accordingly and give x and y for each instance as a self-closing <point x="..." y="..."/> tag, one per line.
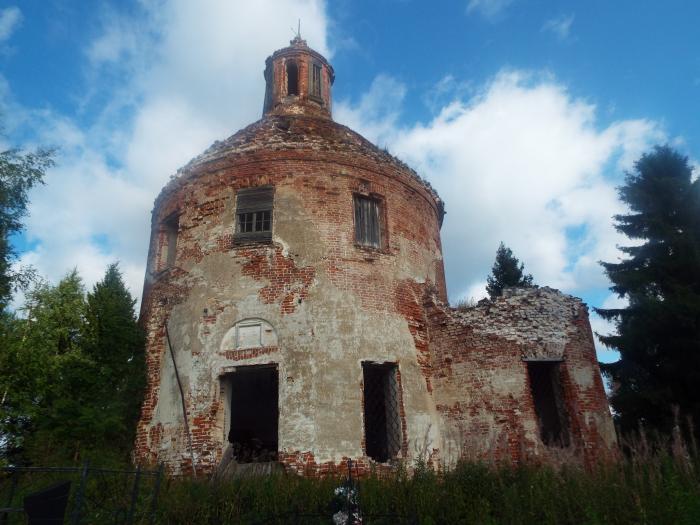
<point x="298" y="82"/>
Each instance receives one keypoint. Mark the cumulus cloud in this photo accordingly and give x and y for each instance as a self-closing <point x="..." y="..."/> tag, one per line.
<point x="521" y="161"/>
<point x="10" y="19"/>
<point x="560" y="26"/>
<point x="183" y="74"/>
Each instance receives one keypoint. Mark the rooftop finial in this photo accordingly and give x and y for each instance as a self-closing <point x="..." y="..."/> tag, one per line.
<point x="297" y="35"/>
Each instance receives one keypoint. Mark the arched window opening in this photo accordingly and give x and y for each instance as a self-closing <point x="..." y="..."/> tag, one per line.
<point x="292" y="78"/>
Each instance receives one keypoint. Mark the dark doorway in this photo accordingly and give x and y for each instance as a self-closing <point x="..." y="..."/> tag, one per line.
<point x="254" y="413"/>
<point x="381" y="411"/>
<point x="545" y="385"/>
<point x="292" y="78"/>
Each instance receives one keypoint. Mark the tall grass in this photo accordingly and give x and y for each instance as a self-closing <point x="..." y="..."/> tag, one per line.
<point x="653" y="485"/>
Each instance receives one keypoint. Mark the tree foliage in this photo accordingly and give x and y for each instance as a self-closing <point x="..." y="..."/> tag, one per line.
<point x="507" y="271"/>
<point x="72" y="372"/>
<point x="658" y="333"/>
<point x="19" y="172"/>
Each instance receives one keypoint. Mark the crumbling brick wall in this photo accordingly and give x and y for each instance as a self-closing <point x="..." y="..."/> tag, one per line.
<point x="332" y="303"/>
<point x="329" y="303"/>
<point x="481" y="382"/>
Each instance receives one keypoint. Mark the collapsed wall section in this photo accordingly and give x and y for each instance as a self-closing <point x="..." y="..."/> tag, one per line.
<point x="517" y="378"/>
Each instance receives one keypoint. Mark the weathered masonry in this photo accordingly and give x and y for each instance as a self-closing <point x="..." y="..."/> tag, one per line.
<point x="296" y="312"/>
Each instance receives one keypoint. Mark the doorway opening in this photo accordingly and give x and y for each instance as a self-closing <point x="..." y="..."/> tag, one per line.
<point x="547" y="396"/>
<point x="254" y="409"/>
<point x="381" y="411"/>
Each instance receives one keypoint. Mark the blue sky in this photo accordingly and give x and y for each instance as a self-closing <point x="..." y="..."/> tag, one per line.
<point x="523" y="114"/>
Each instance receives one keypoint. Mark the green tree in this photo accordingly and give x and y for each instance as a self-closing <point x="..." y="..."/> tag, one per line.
<point x="658" y="333"/>
<point x="507" y="271"/>
<point x="37" y="369"/>
<point x="19" y="172"/>
<point x="74" y="373"/>
<point x="115" y="341"/>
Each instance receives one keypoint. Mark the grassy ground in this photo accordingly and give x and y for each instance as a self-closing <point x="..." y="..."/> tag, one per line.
<point x="659" y="488"/>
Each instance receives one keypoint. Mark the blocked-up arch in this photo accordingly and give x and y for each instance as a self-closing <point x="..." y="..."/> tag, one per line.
<point x="252" y="332"/>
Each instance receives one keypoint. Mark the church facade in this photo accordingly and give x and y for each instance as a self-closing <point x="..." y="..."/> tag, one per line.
<point x="296" y="312"/>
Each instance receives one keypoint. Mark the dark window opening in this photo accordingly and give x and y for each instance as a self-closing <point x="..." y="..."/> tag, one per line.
<point x="547" y="396"/>
<point x="254" y="413"/>
<point x="315" y="80"/>
<point x="254" y="214"/>
<point x="368" y="221"/>
<point x="292" y="78"/>
<point x="169" y="242"/>
<point x="381" y="411"/>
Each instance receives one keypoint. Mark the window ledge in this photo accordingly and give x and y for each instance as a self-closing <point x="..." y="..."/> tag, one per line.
<point x="251" y="239"/>
<point x="371" y="252"/>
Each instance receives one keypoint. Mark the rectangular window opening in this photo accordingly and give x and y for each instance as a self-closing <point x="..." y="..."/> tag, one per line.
<point x="169" y="230"/>
<point x="316" y="80"/>
<point x="254" y="413"/>
<point x="383" y="434"/>
<point x="368" y="221"/>
<point x="254" y="214"/>
<point x="547" y="396"/>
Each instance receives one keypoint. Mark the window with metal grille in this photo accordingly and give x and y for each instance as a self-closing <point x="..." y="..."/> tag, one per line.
<point x="254" y="214"/>
<point x="368" y="221"/>
<point x="315" y="80"/>
<point x="547" y="396"/>
<point x="383" y="435"/>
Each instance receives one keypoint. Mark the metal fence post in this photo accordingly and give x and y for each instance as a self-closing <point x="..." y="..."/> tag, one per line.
<point x="11" y="496"/>
<point x="75" y="517"/>
<point x="134" y="496"/>
<point x="154" y="500"/>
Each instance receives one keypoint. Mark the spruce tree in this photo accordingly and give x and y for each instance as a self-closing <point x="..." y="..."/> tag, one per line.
<point x="115" y="342"/>
<point x="658" y="333"/>
<point x="73" y="376"/>
<point x="507" y="271"/>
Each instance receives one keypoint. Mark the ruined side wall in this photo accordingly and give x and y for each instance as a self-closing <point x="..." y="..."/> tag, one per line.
<point x="332" y="304"/>
<point x="481" y="384"/>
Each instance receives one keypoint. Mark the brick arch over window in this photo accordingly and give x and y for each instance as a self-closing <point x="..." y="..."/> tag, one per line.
<point x="252" y="332"/>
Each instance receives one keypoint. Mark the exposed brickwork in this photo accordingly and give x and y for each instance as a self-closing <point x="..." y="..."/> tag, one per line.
<point x="288" y="284"/>
<point x="482" y="381"/>
<point x="328" y="303"/>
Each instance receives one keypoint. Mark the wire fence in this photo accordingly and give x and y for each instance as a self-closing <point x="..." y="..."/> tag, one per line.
<point x="78" y="495"/>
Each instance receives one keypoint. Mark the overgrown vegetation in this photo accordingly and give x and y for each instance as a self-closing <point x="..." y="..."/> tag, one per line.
<point x="648" y="487"/>
<point x="71" y="374"/>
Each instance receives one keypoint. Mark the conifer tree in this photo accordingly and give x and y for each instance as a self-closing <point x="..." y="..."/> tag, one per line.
<point x="658" y="333"/>
<point x="507" y="271"/>
<point x="115" y="342"/>
<point x="73" y="376"/>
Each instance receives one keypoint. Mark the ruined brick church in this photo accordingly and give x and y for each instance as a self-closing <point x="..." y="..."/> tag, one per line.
<point x="296" y="313"/>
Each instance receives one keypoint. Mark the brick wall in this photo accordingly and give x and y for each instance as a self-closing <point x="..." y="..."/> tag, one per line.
<point x="482" y="386"/>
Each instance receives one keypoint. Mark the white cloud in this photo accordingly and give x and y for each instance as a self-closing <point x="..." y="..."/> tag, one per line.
<point x="189" y="73"/>
<point x="490" y="9"/>
<point x="560" y="26"/>
<point x="10" y="19"/>
<point x="522" y="162"/>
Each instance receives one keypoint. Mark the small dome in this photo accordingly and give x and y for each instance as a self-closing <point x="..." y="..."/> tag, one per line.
<point x="298" y="81"/>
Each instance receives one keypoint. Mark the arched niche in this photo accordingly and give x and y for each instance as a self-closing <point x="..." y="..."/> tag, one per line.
<point x="249" y="333"/>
